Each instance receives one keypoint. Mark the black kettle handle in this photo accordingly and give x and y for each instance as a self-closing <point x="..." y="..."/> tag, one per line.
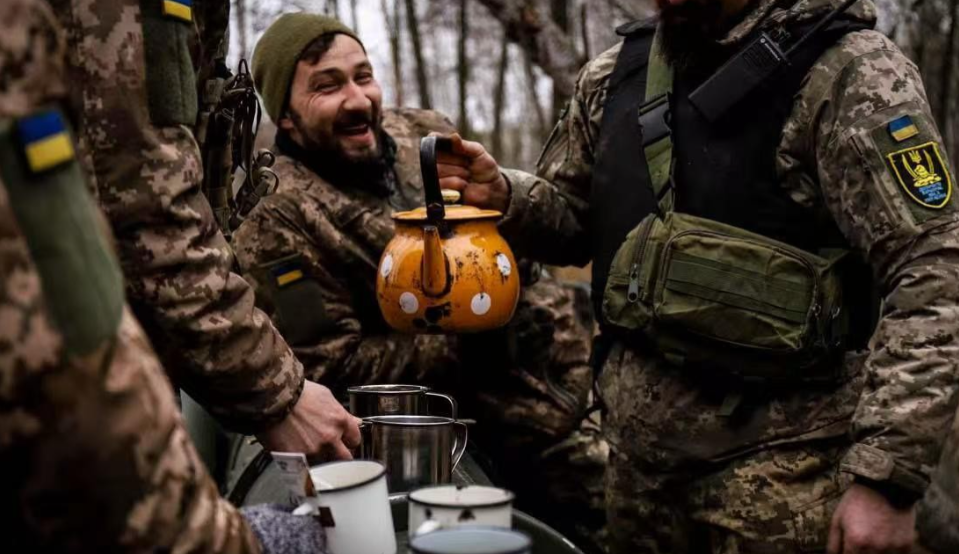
<point x="429" y="146"/>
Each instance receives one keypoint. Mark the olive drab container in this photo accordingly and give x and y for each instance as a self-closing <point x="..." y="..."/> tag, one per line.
<point x="447" y="269"/>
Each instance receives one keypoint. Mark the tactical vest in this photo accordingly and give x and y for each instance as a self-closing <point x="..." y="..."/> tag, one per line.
<point x="723" y="171"/>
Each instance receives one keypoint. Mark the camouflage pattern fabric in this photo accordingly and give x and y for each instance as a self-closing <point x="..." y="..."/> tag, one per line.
<point x="94" y="454"/>
<point x="216" y="345"/>
<point x="896" y="400"/>
<point x="937" y="519"/>
<point x="527" y="384"/>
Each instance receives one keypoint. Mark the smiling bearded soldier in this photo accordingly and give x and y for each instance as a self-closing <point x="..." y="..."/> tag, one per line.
<point x="345" y="166"/>
<point x="775" y="247"/>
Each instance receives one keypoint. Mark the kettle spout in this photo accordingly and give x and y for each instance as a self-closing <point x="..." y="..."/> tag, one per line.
<point x="435" y="269"/>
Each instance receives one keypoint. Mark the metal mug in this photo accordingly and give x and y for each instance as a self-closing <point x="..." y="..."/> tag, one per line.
<point x="417" y="450"/>
<point x="378" y="400"/>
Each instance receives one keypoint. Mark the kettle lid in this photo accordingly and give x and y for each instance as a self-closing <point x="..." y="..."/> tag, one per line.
<point x="453" y="211"/>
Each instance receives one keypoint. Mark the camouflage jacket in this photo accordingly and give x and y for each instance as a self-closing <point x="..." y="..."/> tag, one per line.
<point x="93" y="451"/>
<point x="313" y="249"/>
<point x="832" y="159"/>
<point x="135" y="92"/>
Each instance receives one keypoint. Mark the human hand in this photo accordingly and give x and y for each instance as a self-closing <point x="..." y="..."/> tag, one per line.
<point x="318" y="426"/>
<point x="472" y="171"/>
<point x="866" y="523"/>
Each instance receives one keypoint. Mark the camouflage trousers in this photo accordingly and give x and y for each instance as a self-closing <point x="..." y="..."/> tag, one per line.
<point x="777" y="501"/>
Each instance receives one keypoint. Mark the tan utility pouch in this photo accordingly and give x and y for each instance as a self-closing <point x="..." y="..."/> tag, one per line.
<point x="710" y="294"/>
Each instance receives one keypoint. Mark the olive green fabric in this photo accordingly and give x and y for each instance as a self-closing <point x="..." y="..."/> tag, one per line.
<point x="659" y="155"/>
<point x="81" y="279"/>
<point x="276" y="54"/>
<point x="170" y="77"/>
<point x="707" y="293"/>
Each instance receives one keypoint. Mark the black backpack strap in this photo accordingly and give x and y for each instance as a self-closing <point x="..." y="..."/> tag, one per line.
<point x="620" y="196"/>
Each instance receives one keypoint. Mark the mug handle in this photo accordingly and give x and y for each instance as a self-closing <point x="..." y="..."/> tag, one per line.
<point x="459" y="446"/>
<point x="365" y="450"/>
<point x="446" y="397"/>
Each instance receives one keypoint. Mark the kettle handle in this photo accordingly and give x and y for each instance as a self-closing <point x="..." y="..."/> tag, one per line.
<point x="429" y="146"/>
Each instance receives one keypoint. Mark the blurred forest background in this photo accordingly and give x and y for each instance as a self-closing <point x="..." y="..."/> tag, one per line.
<point x="503" y="69"/>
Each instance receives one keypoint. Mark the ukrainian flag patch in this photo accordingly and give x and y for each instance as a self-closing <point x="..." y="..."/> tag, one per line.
<point x="179" y="9"/>
<point x="903" y="128"/>
<point x="45" y="140"/>
<point x="287" y="274"/>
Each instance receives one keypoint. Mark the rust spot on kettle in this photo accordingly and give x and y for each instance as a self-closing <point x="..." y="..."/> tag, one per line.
<point x="436" y="313"/>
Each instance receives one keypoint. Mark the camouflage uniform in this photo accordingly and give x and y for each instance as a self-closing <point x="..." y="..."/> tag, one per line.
<point x="682" y="477"/>
<point x="94" y="455"/>
<point x="135" y="92"/>
<point x="528" y="384"/>
<point x="937" y="518"/>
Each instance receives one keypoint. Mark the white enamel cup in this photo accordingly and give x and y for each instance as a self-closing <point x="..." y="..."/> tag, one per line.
<point x="449" y="506"/>
<point x="354" y="507"/>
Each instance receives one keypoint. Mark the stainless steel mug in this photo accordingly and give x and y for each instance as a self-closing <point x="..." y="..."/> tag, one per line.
<point x="377" y="400"/>
<point x="417" y="450"/>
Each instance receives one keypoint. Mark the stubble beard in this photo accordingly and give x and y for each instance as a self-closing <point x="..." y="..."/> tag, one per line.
<point x="328" y="148"/>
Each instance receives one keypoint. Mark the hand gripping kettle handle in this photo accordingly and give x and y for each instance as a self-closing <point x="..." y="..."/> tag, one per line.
<point x="435" y="211"/>
<point x="459" y="447"/>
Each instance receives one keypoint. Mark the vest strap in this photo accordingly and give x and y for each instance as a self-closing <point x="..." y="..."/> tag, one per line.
<point x="654" y="122"/>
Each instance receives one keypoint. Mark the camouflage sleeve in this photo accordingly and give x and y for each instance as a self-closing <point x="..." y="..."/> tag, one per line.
<point x="885" y="179"/>
<point x="296" y="269"/>
<point x="94" y="455"/>
<point x="937" y="518"/>
<point x="548" y="217"/>
<point x="148" y="172"/>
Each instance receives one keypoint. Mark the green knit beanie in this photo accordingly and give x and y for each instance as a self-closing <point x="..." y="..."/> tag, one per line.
<point x="279" y="49"/>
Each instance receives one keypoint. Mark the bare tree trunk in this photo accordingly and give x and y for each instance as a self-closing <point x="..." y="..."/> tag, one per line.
<point x="394" y="31"/>
<point x="355" y="18"/>
<point x="499" y="98"/>
<point x="462" y="68"/>
<point x="559" y="10"/>
<point x="542" y="126"/>
<point x="584" y="31"/>
<point x="422" y="80"/>
<point x="542" y="40"/>
<point x="333" y="8"/>
<point x="240" y="7"/>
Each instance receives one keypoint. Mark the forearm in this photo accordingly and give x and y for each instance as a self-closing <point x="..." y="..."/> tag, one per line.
<point x="910" y="398"/>
<point x="354" y="358"/>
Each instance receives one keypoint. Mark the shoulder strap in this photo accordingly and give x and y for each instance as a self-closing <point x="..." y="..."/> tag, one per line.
<point x="654" y="124"/>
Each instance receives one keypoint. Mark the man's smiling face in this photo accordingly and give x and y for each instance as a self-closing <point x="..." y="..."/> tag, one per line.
<point x="335" y="102"/>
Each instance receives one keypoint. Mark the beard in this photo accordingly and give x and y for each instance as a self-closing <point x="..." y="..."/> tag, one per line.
<point x="328" y="145"/>
<point x="690" y="32"/>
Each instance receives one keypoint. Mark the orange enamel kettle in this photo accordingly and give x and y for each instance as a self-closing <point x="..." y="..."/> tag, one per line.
<point x="447" y="269"/>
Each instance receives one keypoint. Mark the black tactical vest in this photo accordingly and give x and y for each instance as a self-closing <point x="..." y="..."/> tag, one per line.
<point x="724" y="171"/>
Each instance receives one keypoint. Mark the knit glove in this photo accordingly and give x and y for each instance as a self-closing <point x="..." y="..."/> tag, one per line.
<point x="281" y="532"/>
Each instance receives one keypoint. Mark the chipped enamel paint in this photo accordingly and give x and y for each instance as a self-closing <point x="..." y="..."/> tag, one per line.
<point x="504" y="265"/>
<point x="481" y="304"/>
<point x="408" y="303"/>
<point x="387" y="266"/>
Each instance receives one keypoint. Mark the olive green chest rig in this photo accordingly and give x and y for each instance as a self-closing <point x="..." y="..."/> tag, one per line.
<point x="698" y="252"/>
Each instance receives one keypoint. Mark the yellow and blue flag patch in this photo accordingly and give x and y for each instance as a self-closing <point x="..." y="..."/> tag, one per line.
<point x="179" y="9"/>
<point x="45" y="140"/>
<point x="287" y="274"/>
<point x="903" y="128"/>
